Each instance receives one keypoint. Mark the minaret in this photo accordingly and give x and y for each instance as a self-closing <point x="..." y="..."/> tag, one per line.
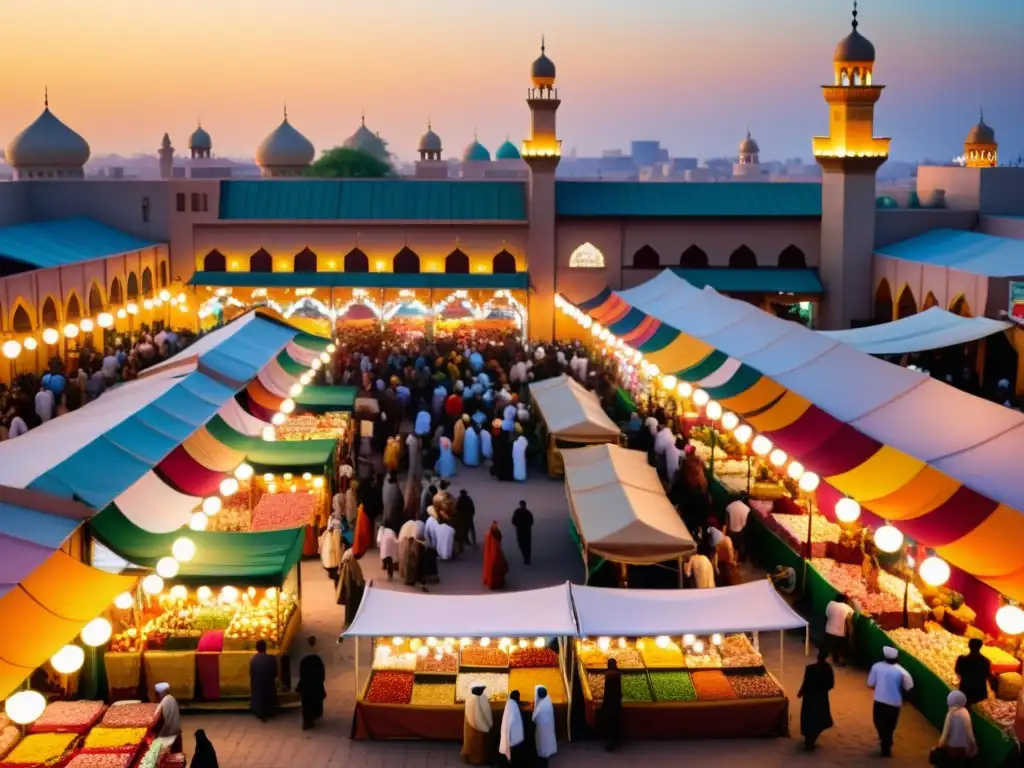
<point x="980" y="147"/>
<point x="849" y="158"/>
<point x="166" y="153"/>
<point x="542" y="152"/>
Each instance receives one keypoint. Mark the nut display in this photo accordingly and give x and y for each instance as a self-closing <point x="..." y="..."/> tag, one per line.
<point x="712" y="685"/>
<point x="390" y="688"/>
<point x="596" y="680"/>
<point x="533" y="657"/>
<point x="438" y="661"/>
<point x="384" y="657"/>
<point x="755" y="686"/>
<point x="480" y="656"/>
<point x="635" y="687"/>
<point x="71" y="716"/>
<point x="496" y="685"/>
<point x="433" y="694"/>
<point x="1004" y="713"/>
<point x="709" y="659"/>
<point x="672" y="686"/>
<point x="526" y="679"/>
<point x="101" y="760"/>
<point x="131" y="716"/>
<point x="594" y="658"/>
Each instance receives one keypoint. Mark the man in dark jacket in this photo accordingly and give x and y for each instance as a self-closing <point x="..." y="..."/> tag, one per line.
<point x="522" y="521"/>
<point x="311" y="686"/>
<point x="465" y="511"/>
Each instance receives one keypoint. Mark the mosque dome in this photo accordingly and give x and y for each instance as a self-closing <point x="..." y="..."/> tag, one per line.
<point x="363" y="139"/>
<point x="429" y="141"/>
<point x="748" y="146"/>
<point x="47" y="143"/>
<point x="285" y="147"/>
<point x="982" y="133"/>
<point x="507" y="151"/>
<point x="542" y="71"/>
<point x="200" y="139"/>
<point x="854" y="47"/>
<point x="476" y="153"/>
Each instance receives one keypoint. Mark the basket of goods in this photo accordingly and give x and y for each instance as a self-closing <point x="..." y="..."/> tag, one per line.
<point x="433" y="694"/>
<point x="712" y="685"/>
<point x="495" y="684"/>
<point x="68" y="717"/>
<point x="533" y="657"/>
<point x="635" y="687"/>
<point x="672" y="686"/>
<point x="142" y="715"/>
<point x="390" y="688"/>
<point x="39" y="749"/>
<point x="526" y="679"/>
<point x="484" y="656"/>
<point x="755" y="686"/>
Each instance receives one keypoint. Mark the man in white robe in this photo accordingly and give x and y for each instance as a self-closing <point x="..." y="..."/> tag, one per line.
<point x="544" y="725"/>
<point x="170" y="715"/>
<point x="431" y="528"/>
<point x="512" y="743"/>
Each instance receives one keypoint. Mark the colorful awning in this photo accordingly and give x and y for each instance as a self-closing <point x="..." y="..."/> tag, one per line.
<point x="316" y="399"/>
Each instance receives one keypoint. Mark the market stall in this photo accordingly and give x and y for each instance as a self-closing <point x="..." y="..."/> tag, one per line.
<point x="689" y="659"/>
<point x="570" y="416"/>
<point x="326" y="399"/>
<point x="427" y="651"/>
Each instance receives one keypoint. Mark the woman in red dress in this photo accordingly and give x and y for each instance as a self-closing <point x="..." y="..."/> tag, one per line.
<point x="363" y="537"/>
<point x="495" y="565"/>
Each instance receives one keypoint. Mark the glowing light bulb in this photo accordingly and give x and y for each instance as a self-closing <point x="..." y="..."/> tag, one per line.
<point x="211" y="505"/>
<point x="295" y="390"/>
<point x="1009" y="618"/>
<point x="318" y="482"/>
<point x="204" y="593"/>
<point x="165" y="295"/>
<point x="268" y="434"/>
<point x="287" y="406"/>
<point x="228" y="487"/>
<point x="742" y="433"/>
<point x="730" y="420"/>
<point x="25" y="707"/>
<point x="96" y="632"/>
<point x="777" y="457"/>
<point x="51" y="336"/>
<point x="121" y="314"/>
<point x="198" y="521"/>
<point x="124" y="601"/>
<point x="11" y="349"/>
<point x="30" y="344"/>
<point x="795" y="470"/>
<point x="68" y="659"/>
<point x="668" y="381"/>
<point x="278" y="419"/>
<point x="86" y="325"/>
<point x="70" y="331"/>
<point x="713" y="411"/>
<point x="662" y="641"/>
<point x="604" y="643"/>
<point x="809" y="482"/>
<point x="934" y="571"/>
<point x="762" y="446"/>
<point x="689" y="640"/>
<point x="847" y="510"/>
<point x="243" y="472"/>
<point x="888" y="539"/>
<point x="105" y="320"/>
<point x="132" y="308"/>
<point x="183" y="549"/>
<point x="167" y="567"/>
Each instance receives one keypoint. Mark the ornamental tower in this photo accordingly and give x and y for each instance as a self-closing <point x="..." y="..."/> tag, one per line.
<point x="849" y="158"/>
<point x="166" y="155"/>
<point x="980" y="147"/>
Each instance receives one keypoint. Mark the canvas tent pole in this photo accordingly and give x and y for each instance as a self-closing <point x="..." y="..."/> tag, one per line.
<point x="782" y="652"/>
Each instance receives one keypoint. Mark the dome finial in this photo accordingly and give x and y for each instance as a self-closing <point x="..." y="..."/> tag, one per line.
<point x="748" y="130"/>
<point x="362" y="116"/>
<point x="286" y="111"/>
<point x="542" y="44"/>
<point x="46" y="97"/>
<point x="854" y="23"/>
<point x="981" y="113"/>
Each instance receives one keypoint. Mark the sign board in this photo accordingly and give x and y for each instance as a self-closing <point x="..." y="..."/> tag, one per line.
<point x="1016" y="307"/>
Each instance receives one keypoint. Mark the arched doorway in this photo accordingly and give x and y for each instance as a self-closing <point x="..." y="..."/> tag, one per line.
<point x="504" y="263"/>
<point x="147" y="282"/>
<point x="356" y="261"/>
<point x="133" y="287"/>
<point x="50" y="317"/>
<point x="792" y="257"/>
<point x="21" y="322"/>
<point x="74" y="310"/>
<point x="646" y="258"/>
<point x="407" y="262"/>
<point x="163" y="274"/>
<point x="455" y="263"/>
<point x="929" y="301"/>
<point x="907" y="304"/>
<point x="215" y="261"/>
<point x="305" y="261"/>
<point x="115" y="292"/>
<point x="742" y="258"/>
<point x="261" y="261"/>
<point x="95" y="300"/>
<point x="961" y="307"/>
<point x="883" y="302"/>
<point x="693" y="257"/>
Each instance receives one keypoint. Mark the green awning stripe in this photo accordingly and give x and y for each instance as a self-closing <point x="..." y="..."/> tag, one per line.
<point x="705" y="367"/>
<point x="289" y="365"/>
<point x="327" y="398"/>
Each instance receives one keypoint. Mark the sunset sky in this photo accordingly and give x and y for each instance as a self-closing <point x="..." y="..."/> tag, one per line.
<point x="692" y="74"/>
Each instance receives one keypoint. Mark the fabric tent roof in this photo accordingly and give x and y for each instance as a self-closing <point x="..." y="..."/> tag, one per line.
<point x="974" y="252"/>
<point x="45" y="244"/>
<point x="28" y="537"/>
<point x="932" y="329"/>
<point x="752" y="607"/>
<point x="256" y="558"/>
<point x="323" y="399"/>
<point x="528" y="613"/>
<point x="571" y="412"/>
<point x="296" y="456"/>
<point x="619" y="507"/>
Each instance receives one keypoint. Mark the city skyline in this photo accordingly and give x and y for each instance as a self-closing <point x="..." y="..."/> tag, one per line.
<point x="691" y="76"/>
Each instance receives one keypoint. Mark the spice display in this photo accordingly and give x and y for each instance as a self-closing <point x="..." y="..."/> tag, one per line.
<point x="280" y="511"/>
<point x="672" y="686"/>
<point x="533" y="657"/>
<point x="69" y="716"/>
<point x="42" y="748"/>
<point x="101" y="760"/>
<point x="754" y="686"/>
<point x="114" y="739"/>
<point x="496" y="685"/>
<point x="480" y="656"/>
<point x="737" y="652"/>
<point x="526" y="679"/>
<point x="847" y="579"/>
<point x="660" y="652"/>
<point x="596" y="680"/>
<point x="390" y="688"/>
<point x="131" y="716"/>
<point x="712" y="685"/>
<point x="10" y="735"/>
<point x="263" y="620"/>
<point x="386" y="658"/>
<point x="635" y="687"/>
<point x="593" y="657"/>
<point x="433" y="694"/>
<point x="438" y="661"/>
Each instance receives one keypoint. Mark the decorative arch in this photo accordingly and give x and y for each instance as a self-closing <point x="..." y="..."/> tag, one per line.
<point x="73" y="313"/>
<point x="261" y="261"/>
<point x="503" y="263"/>
<point x="906" y="305"/>
<point x="792" y="257"/>
<point x="305" y="261"/>
<point x="455" y="263"/>
<point x="586" y="256"/>
<point x="21" y="320"/>
<point x="646" y="258"/>
<point x="147" y="282"/>
<point x="50" y="317"/>
<point x="961" y="307"/>
<point x="929" y="301"/>
<point x="116" y="295"/>
<point x="883" y="302"/>
<point x="132" y="289"/>
<point x="215" y="261"/>
<point x="356" y="261"/>
<point x="406" y="262"/>
<point x="742" y="258"/>
<point x="693" y="257"/>
<point x="163" y="274"/>
<point x="95" y="300"/>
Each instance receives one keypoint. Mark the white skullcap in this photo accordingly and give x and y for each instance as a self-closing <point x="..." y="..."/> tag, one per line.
<point x="890" y="653"/>
<point x="162" y="687"/>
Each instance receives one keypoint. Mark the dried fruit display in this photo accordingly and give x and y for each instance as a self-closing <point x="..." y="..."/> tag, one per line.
<point x="496" y="685"/>
<point x="526" y="679"/>
<point x="936" y="650"/>
<point x="390" y="688"/>
<point x="385" y="658"/>
<point x="280" y="511"/>
<point x="596" y="680"/>
<point x="114" y="739"/>
<point x="708" y="659"/>
<point x="635" y="687"/>
<point x="439" y="661"/>
<point x="793" y="528"/>
<point x="755" y="686"/>
<point x="654" y="657"/>
<point x="672" y="686"/>
<point x="433" y="694"/>
<point x="594" y="658"/>
<point x="847" y="578"/>
<point x="131" y="716"/>
<point x="1003" y="713"/>
<point x="712" y="685"/>
<point x="69" y="716"/>
<point x="480" y="656"/>
<point x="10" y="735"/>
<point x="42" y="748"/>
<point x="737" y="652"/>
<point x="533" y="657"/>
<point x="101" y="760"/>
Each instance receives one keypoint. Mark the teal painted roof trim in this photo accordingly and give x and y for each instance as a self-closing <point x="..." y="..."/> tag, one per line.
<point x="687" y="199"/>
<point x="46" y="244"/>
<point x="766" y="280"/>
<point x="441" y="280"/>
<point x="374" y="199"/>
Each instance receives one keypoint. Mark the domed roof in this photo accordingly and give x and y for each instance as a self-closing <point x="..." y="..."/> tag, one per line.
<point x="982" y="133"/>
<point x="748" y="146"/>
<point x="285" y="147"/>
<point x="854" y="47"/>
<point x="476" y="153"/>
<point x="48" y="143"/>
<point x="543" y="68"/>
<point x="200" y="139"/>
<point x="507" y="151"/>
<point x="363" y="138"/>
<point x="430" y="141"/>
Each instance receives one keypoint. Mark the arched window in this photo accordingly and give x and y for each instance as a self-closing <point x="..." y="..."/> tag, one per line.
<point x="792" y="257"/>
<point x="50" y="318"/>
<point x="961" y="307"/>
<point x="504" y="263"/>
<point x="907" y="305"/>
<point x="356" y="261"/>
<point x="115" y="292"/>
<point x="883" y="302"/>
<point x="163" y="274"/>
<point x="406" y="262"/>
<point x="742" y="258"/>
<point x="646" y="258"/>
<point x="147" y="282"/>
<point x="21" y="322"/>
<point x="305" y="261"/>
<point x="261" y="261"/>
<point x="95" y="300"/>
<point x="693" y="257"/>
<point x="133" y="287"/>
<point x="455" y="263"/>
<point x="215" y="261"/>
<point x="74" y="311"/>
<point x="929" y="301"/>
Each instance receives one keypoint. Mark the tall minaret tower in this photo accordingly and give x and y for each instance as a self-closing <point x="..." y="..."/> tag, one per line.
<point x="849" y="158"/>
<point x="166" y="153"/>
<point x="542" y="151"/>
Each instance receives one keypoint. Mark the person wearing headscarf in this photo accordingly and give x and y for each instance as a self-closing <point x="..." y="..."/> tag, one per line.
<point x="310" y="686"/>
<point x="204" y="755"/>
<point x="673" y="457"/>
<point x="351" y="504"/>
<point x="512" y="744"/>
<point x="815" y="710"/>
<point x="445" y="466"/>
<point x="262" y="682"/>
<point x="444" y="538"/>
<point x="957" y="740"/>
<point x="363" y="536"/>
<point x="610" y="714"/>
<point x="459" y="434"/>
<point x="465" y="512"/>
<point x="486" y="445"/>
<point x="394" y="504"/>
<point x="392" y="454"/>
<point x="351" y="585"/>
<point x="422" y="426"/>
<point x="331" y="544"/>
<point x="544" y="726"/>
<point x="170" y="713"/>
<point x="471" y="447"/>
<point x="495" y="564"/>
<point x="519" y="459"/>
<point x="890" y="682"/>
<point x="387" y="542"/>
<point x="476" y="729"/>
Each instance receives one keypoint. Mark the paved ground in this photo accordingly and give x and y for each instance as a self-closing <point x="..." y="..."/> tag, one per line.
<point x="242" y="741"/>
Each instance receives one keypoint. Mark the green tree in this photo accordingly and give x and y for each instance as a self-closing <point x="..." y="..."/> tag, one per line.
<point x="348" y="163"/>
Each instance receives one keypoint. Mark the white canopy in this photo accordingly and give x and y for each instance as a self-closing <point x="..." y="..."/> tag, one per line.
<point x="572" y="412"/>
<point x="752" y="607"/>
<point x="531" y="613"/>
<point x="932" y="329"/>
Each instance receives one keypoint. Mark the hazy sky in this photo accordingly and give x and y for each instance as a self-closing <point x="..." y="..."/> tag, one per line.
<point x="691" y="74"/>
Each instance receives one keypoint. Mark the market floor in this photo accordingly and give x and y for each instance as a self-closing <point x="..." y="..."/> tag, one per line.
<point x="243" y="742"/>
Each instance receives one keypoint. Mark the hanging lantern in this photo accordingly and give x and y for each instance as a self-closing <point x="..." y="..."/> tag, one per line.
<point x="730" y="421"/>
<point x="742" y="433"/>
<point x="167" y="567"/>
<point x="198" y="522"/>
<point x="668" y="381"/>
<point x="153" y="584"/>
<point x="211" y="506"/>
<point x="809" y="482"/>
<point x="11" y="349"/>
<point x="888" y="539"/>
<point x="1009" y="619"/>
<point x="183" y="549"/>
<point x="278" y="419"/>
<point x="847" y="510"/>
<point x="268" y="434"/>
<point x="96" y="632"/>
<point x="31" y="344"/>
<point x="713" y="411"/>
<point x="762" y="446"/>
<point x="287" y="406"/>
<point x="133" y="308"/>
<point x="934" y="571"/>
<point x="121" y="314"/>
<point x="295" y="390"/>
<point x="795" y="470"/>
<point x="87" y="325"/>
<point x="228" y="487"/>
<point x="25" y="707"/>
<point x="105" y="320"/>
<point x="243" y="472"/>
<point x="71" y="331"/>
<point x="777" y="457"/>
<point x="51" y="336"/>
<point x="684" y="389"/>
<point x="124" y="601"/>
<point x="68" y="659"/>
<point x="700" y="398"/>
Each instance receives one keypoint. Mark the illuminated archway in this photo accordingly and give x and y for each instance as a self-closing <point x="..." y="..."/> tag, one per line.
<point x="116" y="297"/>
<point x="21" y="320"/>
<point x="50" y="317"/>
<point x="906" y="305"/>
<point x="132" y="290"/>
<point x="147" y="282"/>
<point x="163" y="274"/>
<point x="929" y="301"/>
<point x="95" y="300"/>
<point x="73" y="313"/>
<point x="961" y="307"/>
<point x="586" y="256"/>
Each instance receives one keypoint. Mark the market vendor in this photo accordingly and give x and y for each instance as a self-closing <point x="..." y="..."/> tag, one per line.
<point x="170" y="715"/>
<point x="975" y="672"/>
